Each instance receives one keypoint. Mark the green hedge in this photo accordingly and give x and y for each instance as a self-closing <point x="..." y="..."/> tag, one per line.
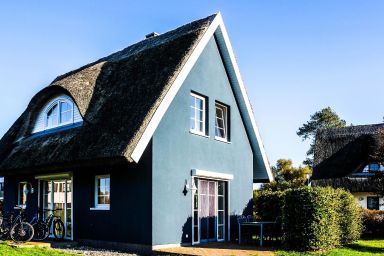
<point x="312" y="218"/>
<point x="267" y="204"/>
<point x="350" y="217"/>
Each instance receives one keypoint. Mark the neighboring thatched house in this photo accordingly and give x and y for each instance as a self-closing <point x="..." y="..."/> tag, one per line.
<point x="351" y="158"/>
<point x="154" y="145"/>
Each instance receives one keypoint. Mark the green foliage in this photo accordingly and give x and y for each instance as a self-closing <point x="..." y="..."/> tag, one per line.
<point x="325" y="118"/>
<point x="350" y="217"/>
<point x="287" y="176"/>
<point x="311" y="218"/>
<point x="6" y="250"/>
<point x="267" y="204"/>
<point x="373" y="221"/>
<point x="360" y="248"/>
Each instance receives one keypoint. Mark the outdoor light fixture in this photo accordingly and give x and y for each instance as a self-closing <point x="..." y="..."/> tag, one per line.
<point x="188" y="185"/>
<point x="308" y="179"/>
<point x="26" y="190"/>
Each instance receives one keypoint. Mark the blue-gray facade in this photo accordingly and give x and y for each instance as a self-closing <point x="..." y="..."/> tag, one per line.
<point x="176" y="151"/>
<point x="150" y="203"/>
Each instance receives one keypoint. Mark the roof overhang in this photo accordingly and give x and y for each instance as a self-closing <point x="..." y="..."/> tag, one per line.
<point x="218" y="30"/>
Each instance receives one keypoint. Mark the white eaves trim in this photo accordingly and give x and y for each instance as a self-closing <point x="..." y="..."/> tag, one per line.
<point x="211" y="175"/>
<point x="216" y="28"/>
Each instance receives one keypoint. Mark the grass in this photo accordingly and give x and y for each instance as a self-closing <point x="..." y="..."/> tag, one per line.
<point x="360" y="248"/>
<point x="6" y="250"/>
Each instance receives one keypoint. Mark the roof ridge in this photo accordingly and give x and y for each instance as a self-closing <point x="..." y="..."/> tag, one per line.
<point x="118" y="55"/>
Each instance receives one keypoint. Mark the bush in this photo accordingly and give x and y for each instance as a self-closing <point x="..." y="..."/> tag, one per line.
<point x="373" y="221"/>
<point x="267" y="204"/>
<point x="350" y="217"/>
<point x="312" y="218"/>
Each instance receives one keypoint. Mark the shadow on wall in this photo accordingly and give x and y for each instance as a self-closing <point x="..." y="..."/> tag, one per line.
<point x="186" y="237"/>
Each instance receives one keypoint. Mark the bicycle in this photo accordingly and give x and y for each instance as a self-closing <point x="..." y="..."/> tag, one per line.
<point x="42" y="228"/>
<point x="16" y="227"/>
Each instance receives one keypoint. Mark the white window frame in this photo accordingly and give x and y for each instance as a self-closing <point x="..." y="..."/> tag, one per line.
<point x="19" y="203"/>
<point x="195" y="131"/>
<point x="97" y="205"/>
<point x="57" y="102"/>
<point x="225" y="108"/>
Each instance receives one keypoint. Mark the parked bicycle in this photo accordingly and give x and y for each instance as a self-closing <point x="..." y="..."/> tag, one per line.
<point x="16" y="227"/>
<point x="43" y="227"/>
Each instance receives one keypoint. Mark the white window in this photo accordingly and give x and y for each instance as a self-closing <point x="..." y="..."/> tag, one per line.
<point x="221" y="122"/>
<point x="59" y="113"/>
<point x="197" y="114"/>
<point x="22" y="193"/>
<point x="102" y="192"/>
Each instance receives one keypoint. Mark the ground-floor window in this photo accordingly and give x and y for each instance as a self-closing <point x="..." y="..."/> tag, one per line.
<point x="373" y="203"/>
<point x="102" y="192"/>
<point x="22" y="193"/>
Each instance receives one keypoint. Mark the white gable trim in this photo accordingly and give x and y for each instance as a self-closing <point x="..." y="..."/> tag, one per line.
<point x="150" y="130"/>
<point x="216" y="28"/>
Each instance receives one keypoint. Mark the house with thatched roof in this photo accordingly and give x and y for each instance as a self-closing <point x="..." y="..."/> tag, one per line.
<point x="155" y="145"/>
<point x="352" y="158"/>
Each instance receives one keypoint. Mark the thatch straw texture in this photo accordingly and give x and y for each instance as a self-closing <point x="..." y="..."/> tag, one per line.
<point x="116" y="95"/>
<point x="342" y="151"/>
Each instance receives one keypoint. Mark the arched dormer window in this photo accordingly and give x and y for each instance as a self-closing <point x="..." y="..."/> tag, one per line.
<point x="59" y="111"/>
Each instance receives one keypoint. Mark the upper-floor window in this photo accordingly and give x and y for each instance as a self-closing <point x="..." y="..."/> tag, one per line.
<point x="59" y="111"/>
<point x="373" y="167"/>
<point x="198" y="114"/>
<point x="221" y="122"/>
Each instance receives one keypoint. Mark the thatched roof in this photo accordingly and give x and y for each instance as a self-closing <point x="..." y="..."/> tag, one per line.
<point x="342" y="151"/>
<point x="116" y="95"/>
<point x="352" y="184"/>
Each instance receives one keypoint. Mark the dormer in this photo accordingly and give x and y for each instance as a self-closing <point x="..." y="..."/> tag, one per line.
<point x="58" y="112"/>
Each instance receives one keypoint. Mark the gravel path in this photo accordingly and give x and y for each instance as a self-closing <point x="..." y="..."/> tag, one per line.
<point x="89" y="251"/>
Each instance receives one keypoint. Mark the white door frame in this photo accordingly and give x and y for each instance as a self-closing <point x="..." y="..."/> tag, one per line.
<point x="52" y="178"/>
<point x="214" y="176"/>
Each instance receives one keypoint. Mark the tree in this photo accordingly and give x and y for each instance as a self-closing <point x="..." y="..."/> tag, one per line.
<point x="287" y="176"/>
<point x="325" y="118"/>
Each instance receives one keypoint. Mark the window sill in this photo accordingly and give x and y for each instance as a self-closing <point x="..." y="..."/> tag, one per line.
<point x="99" y="209"/>
<point x="222" y="140"/>
<point x="198" y="134"/>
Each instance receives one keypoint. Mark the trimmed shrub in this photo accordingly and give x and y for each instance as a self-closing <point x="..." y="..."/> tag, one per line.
<point x="267" y="204"/>
<point x="373" y="221"/>
<point x="312" y="218"/>
<point x="350" y="217"/>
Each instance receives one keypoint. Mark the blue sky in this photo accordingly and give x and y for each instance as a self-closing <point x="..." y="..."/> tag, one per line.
<point x="295" y="57"/>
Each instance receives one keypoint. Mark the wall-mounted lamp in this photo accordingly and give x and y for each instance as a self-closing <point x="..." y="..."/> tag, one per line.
<point x="31" y="190"/>
<point x="190" y="185"/>
<point x="308" y="176"/>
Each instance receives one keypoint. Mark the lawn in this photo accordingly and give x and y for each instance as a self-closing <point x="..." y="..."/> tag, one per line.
<point x="360" y="248"/>
<point x="6" y="250"/>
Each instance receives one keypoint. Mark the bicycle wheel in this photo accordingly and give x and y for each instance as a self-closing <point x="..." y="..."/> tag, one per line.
<point x="58" y="229"/>
<point x="21" y="232"/>
<point x="41" y="231"/>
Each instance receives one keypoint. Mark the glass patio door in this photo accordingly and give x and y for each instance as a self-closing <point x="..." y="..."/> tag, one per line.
<point x="209" y="211"/>
<point x="57" y="195"/>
